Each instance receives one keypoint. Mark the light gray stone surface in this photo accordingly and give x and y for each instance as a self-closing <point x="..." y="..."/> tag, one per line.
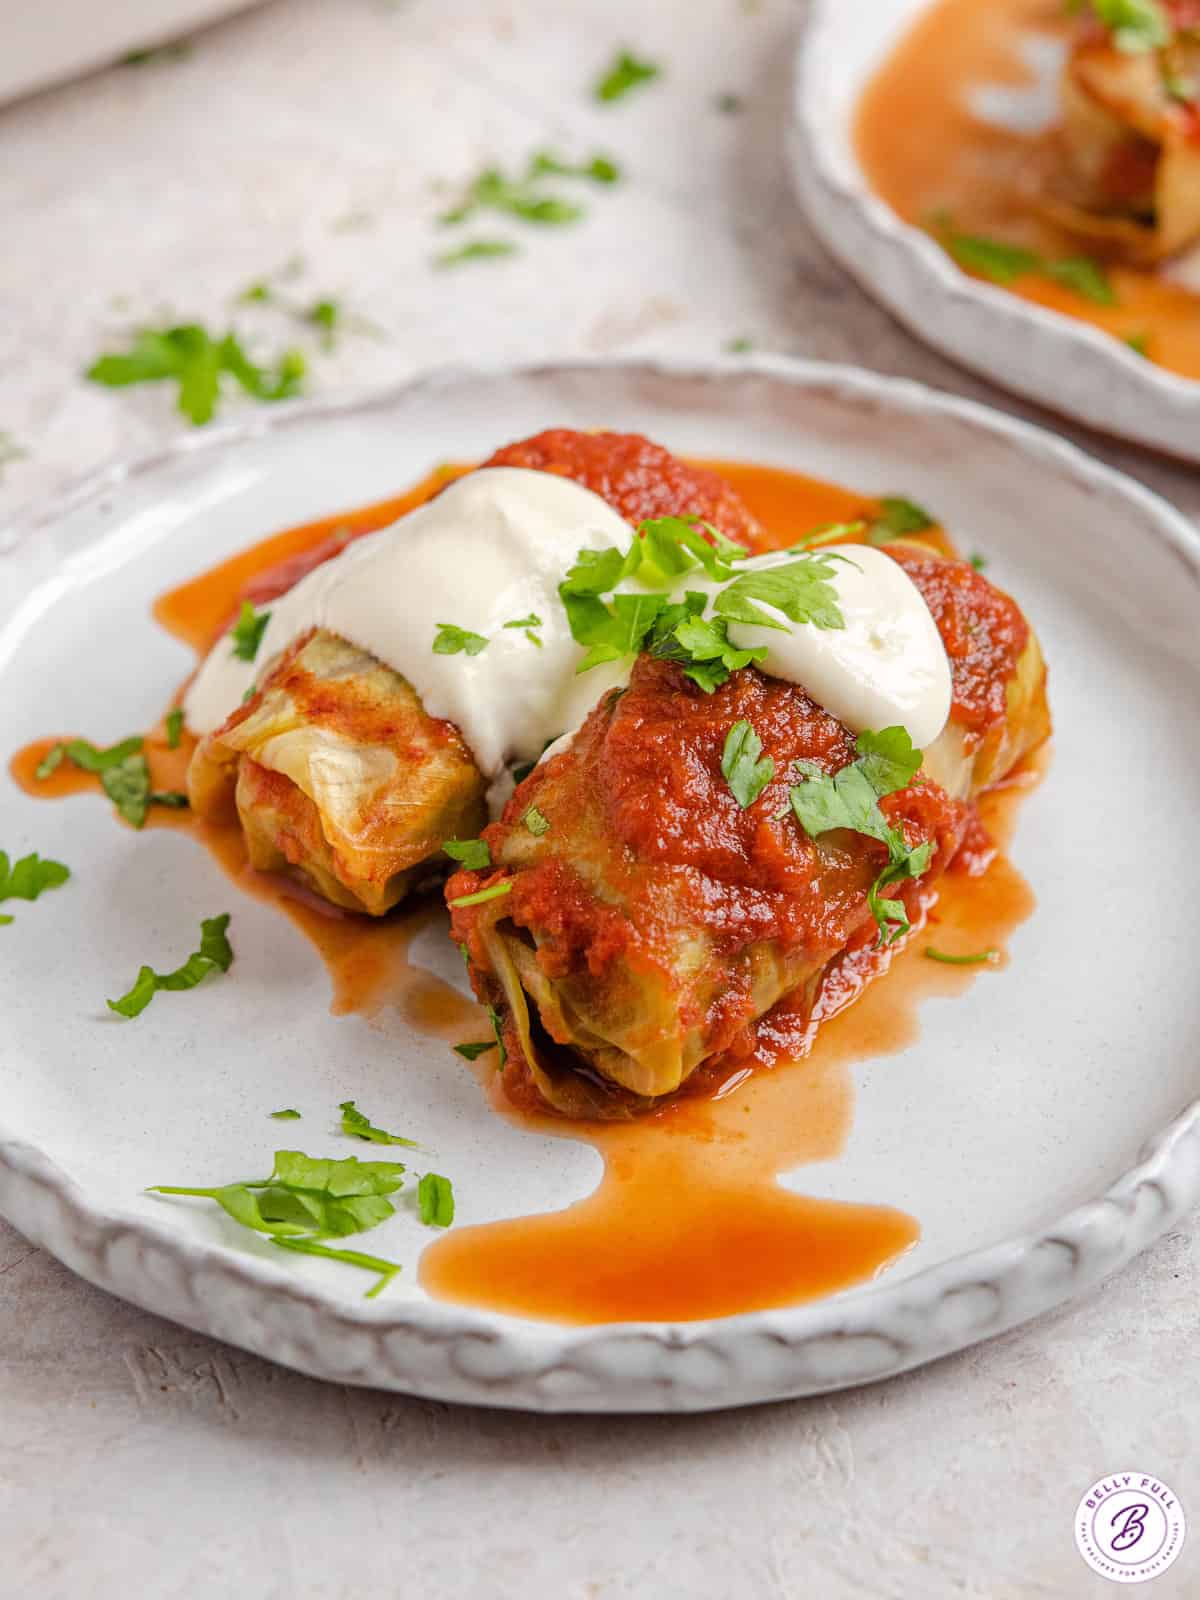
<point x="136" y="1459"/>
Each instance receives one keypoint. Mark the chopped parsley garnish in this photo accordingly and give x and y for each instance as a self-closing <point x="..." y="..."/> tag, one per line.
<point x="361" y="1127"/>
<point x="435" y="1200"/>
<point x="174" y="725"/>
<point x="472" y="1051"/>
<point x="978" y="958"/>
<point x="1005" y="263"/>
<point x="307" y="1200"/>
<point x="473" y="853"/>
<point x="248" y="630"/>
<point x="739" y="346"/>
<point x="325" y="315"/>
<point x="746" y="775"/>
<point x="29" y="877"/>
<point x="475" y="250"/>
<point x="288" y="1114"/>
<point x="517" y="197"/>
<point x="123" y="771"/>
<point x="535" y="822"/>
<point x="1136" y="25"/>
<point x="214" y="955"/>
<point x="387" y="1270"/>
<point x="977" y="561"/>
<point x="451" y="640"/>
<point x="728" y="104"/>
<point x="1139" y="343"/>
<point x="494" y="1019"/>
<point x="624" y="73"/>
<point x="664" y="550"/>
<point x="492" y="892"/>
<point x="527" y="625"/>
<point x="895" y="518"/>
<point x="191" y="357"/>
<point x="886" y="761"/>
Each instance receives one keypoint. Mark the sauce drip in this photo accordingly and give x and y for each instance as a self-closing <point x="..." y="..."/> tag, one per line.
<point x="689" y="1220"/>
<point x="924" y="152"/>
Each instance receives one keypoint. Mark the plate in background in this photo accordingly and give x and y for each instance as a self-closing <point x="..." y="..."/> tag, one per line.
<point x="1050" y="358"/>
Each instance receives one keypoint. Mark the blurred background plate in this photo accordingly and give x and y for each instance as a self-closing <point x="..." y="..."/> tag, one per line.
<point x="1050" y="358"/>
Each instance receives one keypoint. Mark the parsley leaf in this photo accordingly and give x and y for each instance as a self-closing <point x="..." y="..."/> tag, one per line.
<point x="887" y="761"/>
<point x="746" y="775"/>
<point x="976" y="959"/>
<point x="528" y="624"/>
<point x="1136" y="25"/>
<point x="435" y="1198"/>
<point x="387" y="1270"/>
<point x="624" y="73"/>
<point x="494" y="1019"/>
<point x="50" y="762"/>
<point x="192" y="358"/>
<point x="896" y="518"/>
<point x="247" y="632"/>
<point x="492" y="892"/>
<point x="978" y="562"/>
<point x="475" y="250"/>
<point x="27" y="878"/>
<point x="1004" y="263"/>
<point x="472" y="1052"/>
<point x="214" y="955"/>
<point x="516" y="197"/>
<point x="473" y="853"/>
<point x="450" y="640"/>
<point x="361" y="1127"/>
<point x="1139" y="343"/>
<point x="123" y="772"/>
<point x="307" y="1199"/>
<point x="174" y="726"/>
<point x="286" y="1115"/>
<point x="801" y="589"/>
<point x="535" y="822"/>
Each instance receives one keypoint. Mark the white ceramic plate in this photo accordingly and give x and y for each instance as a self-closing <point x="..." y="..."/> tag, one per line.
<point x="1053" y="359"/>
<point x="1042" y="1130"/>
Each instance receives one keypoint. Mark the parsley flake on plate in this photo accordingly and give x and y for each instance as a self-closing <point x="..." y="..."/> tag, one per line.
<point x="887" y="761"/>
<point x="975" y="959"/>
<point x="746" y="775"/>
<point x="123" y="771"/>
<point x="174" y="727"/>
<point x="307" y="1200"/>
<point x="451" y="640"/>
<point x="472" y="1050"/>
<point x="475" y="250"/>
<point x="473" y="853"/>
<point x="247" y="632"/>
<point x="29" y="877"/>
<point x="1004" y="263"/>
<point x="493" y="892"/>
<point x="896" y="518"/>
<point x="361" y="1127"/>
<point x="435" y="1200"/>
<point x="288" y="1114"/>
<point x="214" y="955"/>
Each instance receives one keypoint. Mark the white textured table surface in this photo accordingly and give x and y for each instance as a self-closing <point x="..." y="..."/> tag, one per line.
<point x="136" y="1459"/>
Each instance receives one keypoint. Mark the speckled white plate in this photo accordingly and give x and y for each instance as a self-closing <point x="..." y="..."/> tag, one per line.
<point x="1042" y="1129"/>
<point x="1053" y="359"/>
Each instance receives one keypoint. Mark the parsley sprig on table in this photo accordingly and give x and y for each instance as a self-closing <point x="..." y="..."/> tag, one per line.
<point x="28" y="877"/>
<point x="359" y="1126"/>
<point x="663" y="551"/>
<point x="886" y="761"/>
<point x="197" y="361"/>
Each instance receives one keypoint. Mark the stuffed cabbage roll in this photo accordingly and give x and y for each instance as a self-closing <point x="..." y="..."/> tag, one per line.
<point x="638" y="920"/>
<point x="1128" y="178"/>
<point x="333" y="767"/>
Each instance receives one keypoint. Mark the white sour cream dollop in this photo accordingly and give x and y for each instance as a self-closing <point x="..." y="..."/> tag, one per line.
<point x="493" y="547"/>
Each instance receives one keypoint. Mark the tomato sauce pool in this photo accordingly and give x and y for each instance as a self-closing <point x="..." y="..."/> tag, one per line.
<point x="689" y="1219"/>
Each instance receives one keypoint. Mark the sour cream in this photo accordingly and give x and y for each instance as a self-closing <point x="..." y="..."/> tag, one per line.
<point x="491" y="550"/>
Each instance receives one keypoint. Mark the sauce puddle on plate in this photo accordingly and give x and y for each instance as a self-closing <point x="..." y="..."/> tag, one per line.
<point x="925" y="153"/>
<point x="689" y="1220"/>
